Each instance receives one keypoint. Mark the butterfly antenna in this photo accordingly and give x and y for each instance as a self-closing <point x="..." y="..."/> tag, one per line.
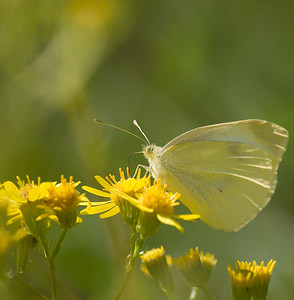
<point x="137" y="125"/>
<point x="126" y="131"/>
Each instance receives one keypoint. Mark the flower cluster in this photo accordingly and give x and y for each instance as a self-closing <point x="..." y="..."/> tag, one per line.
<point x="27" y="210"/>
<point x="196" y="268"/>
<point x="249" y="280"/>
<point x="35" y="204"/>
<point x="141" y="204"/>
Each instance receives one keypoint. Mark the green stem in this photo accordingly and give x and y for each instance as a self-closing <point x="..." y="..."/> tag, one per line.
<point x="132" y="240"/>
<point x="53" y="277"/>
<point x="167" y="293"/>
<point x="193" y="294"/>
<point x="123" y="285"/>
<point x="59" y="242"/>
<point x="51" y="264"/>
<point x="130" y="265"/>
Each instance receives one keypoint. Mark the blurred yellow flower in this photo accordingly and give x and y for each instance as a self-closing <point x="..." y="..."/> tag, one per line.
<point x="250" y="280"/>
<point x="25" y="203"/>
<point x="7" y="239"/>
<point x="3" y="206"/>
<point x="196" y="267"/>
<point x="93" y="13"/>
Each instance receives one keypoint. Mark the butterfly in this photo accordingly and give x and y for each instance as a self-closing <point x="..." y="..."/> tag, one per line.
<point x="225" y="172"/>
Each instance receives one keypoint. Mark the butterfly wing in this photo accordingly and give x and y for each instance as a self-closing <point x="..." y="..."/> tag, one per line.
<point x="225" y="172"/>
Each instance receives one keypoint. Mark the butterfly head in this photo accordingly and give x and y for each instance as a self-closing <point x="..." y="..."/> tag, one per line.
<point x="151" y="152"/>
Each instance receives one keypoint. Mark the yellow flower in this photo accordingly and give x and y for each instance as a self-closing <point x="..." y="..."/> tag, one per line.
<point x="156" y="206"/>
<point x="7" y="239"/>
<point x="196" y="267"/>
<point x="24" y="203"/>
<point x="157" y="265"/>
<point x="250" y="280"/>
<point x="132" y="187"/>
<point x="61" y="203"/>
<point x="93" y="13"/>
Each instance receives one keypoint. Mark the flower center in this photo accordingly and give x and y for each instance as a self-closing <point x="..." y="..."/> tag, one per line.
<point x="158" y="199"/>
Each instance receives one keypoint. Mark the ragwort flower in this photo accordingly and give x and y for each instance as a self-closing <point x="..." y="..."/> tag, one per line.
<point x="25" y="204"/>
<point x="157" y="265"/>
<point x="7" y="239"/>
<point x="250" y="280"/>
<point x="61" y="203"/>
<point x="132" y="187"/>
<point x="156" y="206"/>
<point x="196" y="267"/>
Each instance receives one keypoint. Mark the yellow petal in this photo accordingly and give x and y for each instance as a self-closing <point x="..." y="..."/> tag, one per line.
<point x="34" y="194"/>
<point x="129" y="185"/>
<point x="79" y="220"/>
<point x="131" y="200"/>
<point x="13" y="192"/>
<point x="95" y="191"/>
<point x="43" y="216"/>
<point x="103" y="182"/>
<point x="43" y="189"/>
<point x="141" y="184"/>
<point x="77" y="183"/>
<point x="97" y="209"/>
<point x="170" y="221"/>
<point x="110" y="213"/>
<point x="13" y="211"/>
<point x="89" y="203"/>
<point x="14" y="219"/>
<point x="189" y="217"/>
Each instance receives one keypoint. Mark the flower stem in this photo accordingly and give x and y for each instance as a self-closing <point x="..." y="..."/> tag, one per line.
<point x="53" y="277"/>
<point x="123" y="285"/>
<point x="132" y="240"/>
<point x="59" y="242"/>
<point x="193" y="294"/>
<point x="167" y="293"/>
<point x="51" y="264"/>
<point x="130" y="264"/>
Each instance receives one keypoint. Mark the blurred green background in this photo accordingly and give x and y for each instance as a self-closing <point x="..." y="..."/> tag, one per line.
<point x="172" y="66"/>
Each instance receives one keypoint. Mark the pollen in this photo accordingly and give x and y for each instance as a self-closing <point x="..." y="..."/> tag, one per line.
<point x="64" y="195"/>
<point x="153" y="255"/>
<point x="156" y="198"/>
<point x="25" y="188"/>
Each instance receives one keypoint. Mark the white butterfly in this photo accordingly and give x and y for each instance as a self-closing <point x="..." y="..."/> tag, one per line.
<point x="226" y="172"/>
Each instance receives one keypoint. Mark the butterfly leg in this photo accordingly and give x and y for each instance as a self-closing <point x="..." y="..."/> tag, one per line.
<point x="146" y="168"/>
